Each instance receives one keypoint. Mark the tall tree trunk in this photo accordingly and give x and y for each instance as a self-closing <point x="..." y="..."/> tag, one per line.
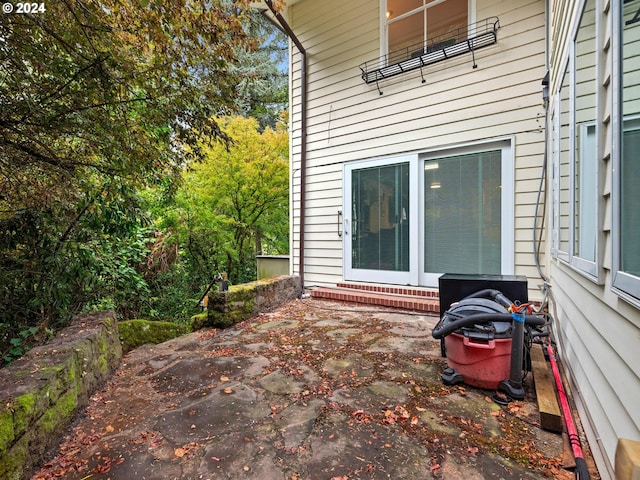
<point x="258" y="237"/>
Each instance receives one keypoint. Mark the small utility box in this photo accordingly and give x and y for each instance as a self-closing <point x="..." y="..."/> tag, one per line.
<point x="272" y="265"/>
<point x="454" y="287"/>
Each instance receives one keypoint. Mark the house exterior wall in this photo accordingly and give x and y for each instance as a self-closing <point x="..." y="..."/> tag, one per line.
<point x="349" y="120"/>
<point x="598" y="324"/>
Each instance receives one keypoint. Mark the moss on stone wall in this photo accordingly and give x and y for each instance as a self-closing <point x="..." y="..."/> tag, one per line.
<point x="244" y="301"/>
<point x="134" y="333"/>
<point x="57" y="417"/>
<point x="199" y="321"/>
<point x="11" y="465"/>
<point x="225" y="319"/>
<point x="7" y="433"/>
<point x="23" y="411"/>
<point x="41" y="391"/>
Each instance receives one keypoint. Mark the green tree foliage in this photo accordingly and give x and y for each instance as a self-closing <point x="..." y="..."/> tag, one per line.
<point x="262" y="88"/>
<point x="109" y="85"/>
<point x="97" y="99"/>
<point x="234" y="203"/>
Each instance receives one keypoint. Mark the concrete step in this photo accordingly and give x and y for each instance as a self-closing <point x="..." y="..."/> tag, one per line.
<point x="406" y="298"/>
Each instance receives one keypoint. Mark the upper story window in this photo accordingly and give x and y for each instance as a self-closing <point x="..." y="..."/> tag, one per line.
<point x="411" y="23"/>
<point x="420" y="33"/>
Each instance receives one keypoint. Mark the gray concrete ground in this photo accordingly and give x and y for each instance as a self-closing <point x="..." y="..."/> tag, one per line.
<point x="315" y="390"/>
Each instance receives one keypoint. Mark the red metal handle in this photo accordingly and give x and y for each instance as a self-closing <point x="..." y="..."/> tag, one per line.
<point x="487" y="346"/>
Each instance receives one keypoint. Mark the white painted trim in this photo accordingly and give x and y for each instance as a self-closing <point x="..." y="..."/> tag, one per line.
<point x="567" y="68"/>
<point x="376" y="276"/>
<point x="554" y="123"/>
<point x="384" y="45"/>
<point x="507" y="214"/>
<point x="625" y="285"/>
<point x="384" y="34"/>
<point x="415" y="275"/>
<point x="587" y="268"/>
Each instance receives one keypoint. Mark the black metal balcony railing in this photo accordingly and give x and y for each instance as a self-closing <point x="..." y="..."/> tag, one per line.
<point x="442" y="47"/>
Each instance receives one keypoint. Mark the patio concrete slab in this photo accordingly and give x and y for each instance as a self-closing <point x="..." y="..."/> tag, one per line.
<point x="314" y="390"/>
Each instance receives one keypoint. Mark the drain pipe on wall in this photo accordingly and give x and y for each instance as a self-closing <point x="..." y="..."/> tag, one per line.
<point x="303" y="132"/>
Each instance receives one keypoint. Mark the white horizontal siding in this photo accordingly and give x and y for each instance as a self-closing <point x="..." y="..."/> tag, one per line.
<point x="348" y="120"/>
<point x="598" y="331"/>
<point x="600" y="343"/>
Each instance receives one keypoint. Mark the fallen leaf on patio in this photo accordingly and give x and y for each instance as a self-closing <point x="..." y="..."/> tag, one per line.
<point x="472" y="450"/>
<point x="246" y="468"/>
<point x="390" y="417"/>
<point x="109" y="428"/>
<point x="179" y="452"/>
<point x="224" y="378"/>
<point x="435" y="467"/>
<point x="414" y="420"/>
<point x="228" y="390"/>
<point x="402" y="412"/>
<point x="420" y="409"/>
<point x="102" y="468"/>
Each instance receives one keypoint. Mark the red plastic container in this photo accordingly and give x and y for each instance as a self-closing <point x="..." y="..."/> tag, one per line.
<point x="481" y="364"/>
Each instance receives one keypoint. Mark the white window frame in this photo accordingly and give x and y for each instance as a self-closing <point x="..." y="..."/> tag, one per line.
<point x="623" y="284"/>
<point x="378" y="276"/>
<point x="384" y="34"/>
<point x="416" y="275"/>
<point x="556" y="153"/>
<point x="507" y="203"/>
<point x="591" y="269"/>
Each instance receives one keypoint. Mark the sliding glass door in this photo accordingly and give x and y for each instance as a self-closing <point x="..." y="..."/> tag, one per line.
<point x="462" y="221"/>
<point x="410" y="219"/>
<point x="378" y="221"/>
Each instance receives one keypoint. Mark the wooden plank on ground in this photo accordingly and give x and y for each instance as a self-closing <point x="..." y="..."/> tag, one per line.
<point x="627" y="459"/>
<point x="550" y="418"/>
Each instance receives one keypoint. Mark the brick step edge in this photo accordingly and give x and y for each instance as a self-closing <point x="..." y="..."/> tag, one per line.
<point x="393" y="290"/>
<point x="421" y="304"/>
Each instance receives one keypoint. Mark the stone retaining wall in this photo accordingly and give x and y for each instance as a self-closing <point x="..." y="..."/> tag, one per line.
<point x="40" y="392"/>
<point x="243" y="301"/>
